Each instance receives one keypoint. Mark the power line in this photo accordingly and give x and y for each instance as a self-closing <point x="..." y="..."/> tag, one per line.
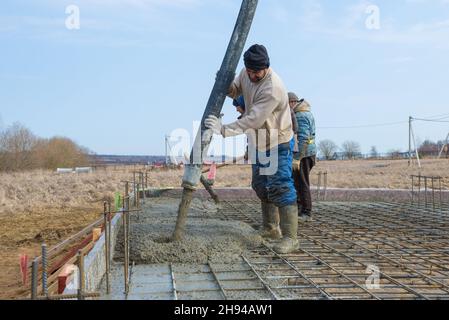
<point x="367" y="126"/>
<point x="443" y="118"/>
<point x="437" y="118"/>
<point x="430" y="120"/>
<point x="445" y="115"/>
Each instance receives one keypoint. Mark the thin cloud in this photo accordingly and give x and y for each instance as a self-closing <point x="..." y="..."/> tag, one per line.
<point x="351" y="25"/>
<point x="114" y="29"/>
<point x="141" y="4"/>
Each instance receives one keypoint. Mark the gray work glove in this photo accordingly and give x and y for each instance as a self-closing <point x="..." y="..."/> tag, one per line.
<point x="214" y="123"/>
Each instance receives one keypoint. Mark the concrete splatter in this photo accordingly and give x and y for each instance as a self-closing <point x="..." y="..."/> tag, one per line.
<point x="207" y="238"/>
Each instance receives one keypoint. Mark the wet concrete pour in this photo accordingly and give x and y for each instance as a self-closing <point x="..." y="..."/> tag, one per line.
<point x="207" y="238"/>
<point x="165" y="270"/>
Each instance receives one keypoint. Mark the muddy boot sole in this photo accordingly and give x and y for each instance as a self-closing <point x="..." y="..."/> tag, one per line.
<point x="287" y="246"/>
<point x="274" y="234"/>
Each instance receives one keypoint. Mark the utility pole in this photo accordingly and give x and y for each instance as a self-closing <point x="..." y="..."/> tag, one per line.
<point x="410" y="119"/>
<point x="166" y="150"/>
<point x="414" y="143"/>
<point x="445" y="145"/>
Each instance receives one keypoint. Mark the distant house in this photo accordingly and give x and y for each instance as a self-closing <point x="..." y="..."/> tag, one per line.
<point x="396" y="155"/>
<point x="125" y="160"/>
<point x="429" y="150"/>
<point x="343" y="156"/>
<point x="337" y="156"/>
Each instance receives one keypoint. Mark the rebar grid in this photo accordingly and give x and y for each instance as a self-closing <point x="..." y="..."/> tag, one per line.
<point x="321" y="194"/>
<point x="219" y="283"/>
<point x="210" y="281"/>
<point x="240" y="278"/>
<point x="408" y="246"/>
<point x="428" y="185"/>
<point x="173" y="281"/>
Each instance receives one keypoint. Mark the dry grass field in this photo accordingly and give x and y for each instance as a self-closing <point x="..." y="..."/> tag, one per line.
<point x="38" y="206"/>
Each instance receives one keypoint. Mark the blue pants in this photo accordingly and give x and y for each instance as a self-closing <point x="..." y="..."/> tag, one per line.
<point x="278" y="188"/>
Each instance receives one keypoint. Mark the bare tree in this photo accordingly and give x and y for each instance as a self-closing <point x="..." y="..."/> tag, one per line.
<point x="59" y="152"/>
<point x="327" y="148"/>
<point x="351" y="149"/>
<point x="16" y="145"/>
<point x="429" y="148"/>
<point x="20" y="149"/>
<point x="373" y="152"/>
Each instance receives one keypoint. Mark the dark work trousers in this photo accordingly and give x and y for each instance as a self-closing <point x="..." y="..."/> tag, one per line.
<point x="302" y="183"/>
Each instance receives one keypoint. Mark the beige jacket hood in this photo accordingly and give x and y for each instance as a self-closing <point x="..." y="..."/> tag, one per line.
<point x="303" y="106"/>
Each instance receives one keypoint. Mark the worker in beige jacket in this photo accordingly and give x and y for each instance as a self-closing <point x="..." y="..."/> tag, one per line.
<point x="268" y="124"/>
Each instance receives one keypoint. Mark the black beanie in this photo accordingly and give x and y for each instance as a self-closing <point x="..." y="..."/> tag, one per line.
<point x="256" y="58"/>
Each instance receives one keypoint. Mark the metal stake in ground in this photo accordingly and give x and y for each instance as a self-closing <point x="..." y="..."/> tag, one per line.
<point x="109" y="237"/>
<point x="225" y="76"/>
<point x="81" y="275"/>
<point x="142" y="183"/>
<point x="44" y="270"/>
<point x="125" y="237"/>
<point x="325" y="186"/>
<point x="34" y="278"/>
<point x="106" y="243"/>
<point x="419" y="190"/>
<point x="146" y="180"/>
<point x="318" y="191"/>
<point x="134" y="189"/>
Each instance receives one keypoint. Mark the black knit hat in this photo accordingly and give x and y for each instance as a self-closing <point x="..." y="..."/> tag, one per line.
<point x="256" y="58"/>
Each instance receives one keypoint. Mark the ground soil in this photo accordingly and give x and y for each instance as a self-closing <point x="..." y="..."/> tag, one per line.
<point x="23" y="233"/>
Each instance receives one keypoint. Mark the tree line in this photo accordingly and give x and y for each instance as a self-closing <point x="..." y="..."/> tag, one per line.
<point x="20" y="149"/>
<point x="329" y="150"/>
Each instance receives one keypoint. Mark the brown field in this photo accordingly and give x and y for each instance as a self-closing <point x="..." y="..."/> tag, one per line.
<point x="38" y="206"/>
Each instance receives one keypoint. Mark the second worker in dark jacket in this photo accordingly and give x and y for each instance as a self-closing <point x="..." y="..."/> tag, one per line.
<point x="305" y="154"/>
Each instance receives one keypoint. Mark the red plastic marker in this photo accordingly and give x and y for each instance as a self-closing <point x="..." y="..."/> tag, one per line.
<point x="212" y="172"/>
<point x="24" y="267"/>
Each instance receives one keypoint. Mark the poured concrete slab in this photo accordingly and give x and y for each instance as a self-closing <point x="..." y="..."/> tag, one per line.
<point x="409" y="244"/>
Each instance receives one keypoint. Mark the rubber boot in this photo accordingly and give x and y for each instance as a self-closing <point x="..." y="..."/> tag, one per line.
<point x="289" y="227"/>
<point x="307" y="214"/>
<point x="270" y="221"/>
<point x="302" y="216"/>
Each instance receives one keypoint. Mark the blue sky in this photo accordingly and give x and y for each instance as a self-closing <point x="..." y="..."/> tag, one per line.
<point x="138" y="69"/>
